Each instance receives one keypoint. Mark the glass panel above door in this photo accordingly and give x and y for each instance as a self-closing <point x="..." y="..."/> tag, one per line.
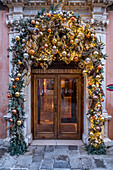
<point x="45" y="94"/>
<point x="68" y="105"/>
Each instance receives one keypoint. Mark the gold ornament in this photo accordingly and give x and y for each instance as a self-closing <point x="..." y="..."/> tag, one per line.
<point x="84" y="72"/>
<point x="17" y="94"/>
<point x="64" y="53"/>
<point x="54" y="40"/>
<point x="81" y="64"/>
<point x="23" y="40"/>
<point x="98" y="128"/>
<point x="19" y="122"/>
<point x="91" y="134"/>
<point x="76" y="40"/>
<point x="32" y="57"/>
<point x="17" y="38"/>
<point x="102" y="119"/>
<point x="59" y="43"/>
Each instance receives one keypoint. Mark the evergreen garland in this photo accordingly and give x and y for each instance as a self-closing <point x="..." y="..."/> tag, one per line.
<point x="49" y="36"/>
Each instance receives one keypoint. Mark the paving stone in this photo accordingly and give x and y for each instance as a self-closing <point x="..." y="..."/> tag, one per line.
<point x="73" y="147"/>
<point x="61" y="147"/>
<point x="31" y="148"/>
<point x="50" y="148"/>
<point x="24" y="161"/>
<point x="40" y="147"/>
<point x="34" y="166"/>
<point x="62" y="169"/>
<point x="60" y="151"/>
<point x="48" y="155"/>
<point x="100" y="163"/>
<point x="109" y="163"/>
<point x="82" y="150"/>
<point x="9" y="162"/>
<point x="62" y="158"/>
<point x="2" y="152"/>
<point x="47" y="164"/>
<point x="5" y="169"/>
<point x="73" y="153"/>
<point x="39" y="151"/>
<point x="110" y="151"/>
<point x="1" y="141"/>
<point x="37" y="158"/>
<point x="88" y="163"/>
<point x="76" y="163"/>
<point x="19" y="168"/>
<point x="61" y="164"/>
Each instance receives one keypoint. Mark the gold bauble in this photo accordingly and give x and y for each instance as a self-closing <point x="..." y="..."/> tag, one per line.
<point x="76" y="40"/>
<point x="102" y="119"/>
<point x="64" y="53"/>
<point x="95" y="145"/>
<point x="91" y="134"/>
<point x="17" y="94"/>
<point x="98" y="128"/>
<point x="32" y="56"/>
<point x="59" y="43"/>
<point x="64" y="37"/>
<point x="54" y="40"/>
<point x="17" y="38"/>
<point x="19" y="122"/>
<point x="84" y="72"/>
<point x="81" y="64"/>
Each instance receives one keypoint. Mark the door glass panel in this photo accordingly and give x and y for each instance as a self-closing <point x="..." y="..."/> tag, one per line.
<point x="45" y="105"/>
<point x="68" y="106"/>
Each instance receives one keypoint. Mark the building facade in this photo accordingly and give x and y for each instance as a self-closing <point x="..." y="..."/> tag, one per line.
<point x="58" y="118"/>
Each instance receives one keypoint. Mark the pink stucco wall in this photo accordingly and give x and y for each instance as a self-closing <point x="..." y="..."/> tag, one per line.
<point x="4" y="72"/>
<point x="109" y="72"/>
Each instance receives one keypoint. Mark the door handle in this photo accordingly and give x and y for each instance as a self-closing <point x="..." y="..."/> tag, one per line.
<point x="55" y="107"/>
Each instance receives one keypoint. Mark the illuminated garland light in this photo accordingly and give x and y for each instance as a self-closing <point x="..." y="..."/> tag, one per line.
<point x="62" y="36"/>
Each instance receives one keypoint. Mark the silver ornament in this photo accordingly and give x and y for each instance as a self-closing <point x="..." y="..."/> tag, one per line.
<point x="23" y="40"/>
<point x="76" y="40"/>
<point x="25" y="55"/>
<point x="88" y="60"/>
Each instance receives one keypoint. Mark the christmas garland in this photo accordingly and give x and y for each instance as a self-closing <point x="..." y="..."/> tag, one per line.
<point x="55" y="35"/>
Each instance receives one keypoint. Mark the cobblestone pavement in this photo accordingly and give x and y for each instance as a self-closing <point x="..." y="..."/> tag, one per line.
<point x="56" y="158"/>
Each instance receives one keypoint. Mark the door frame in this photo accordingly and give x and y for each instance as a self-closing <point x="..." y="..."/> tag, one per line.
<point x="51" y="73"/>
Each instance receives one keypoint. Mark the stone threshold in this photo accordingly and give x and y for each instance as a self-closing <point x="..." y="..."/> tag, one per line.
<point x="57" y="142"/>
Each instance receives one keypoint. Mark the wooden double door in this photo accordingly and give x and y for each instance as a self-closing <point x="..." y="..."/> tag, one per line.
<point x="56" y="105"/>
